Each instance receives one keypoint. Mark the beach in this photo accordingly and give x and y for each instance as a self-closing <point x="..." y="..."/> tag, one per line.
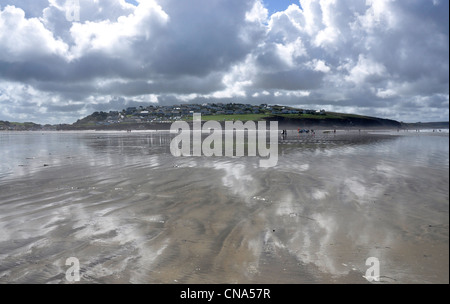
<point x="131" y="212"/>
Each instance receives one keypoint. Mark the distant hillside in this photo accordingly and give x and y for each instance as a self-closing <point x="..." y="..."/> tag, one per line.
<point x="99" y="121"/>
<point x="18" y="126"/>
<point x="160" y="118"/>
<point x="426" y="125"/>
<point x="334" y="120"/>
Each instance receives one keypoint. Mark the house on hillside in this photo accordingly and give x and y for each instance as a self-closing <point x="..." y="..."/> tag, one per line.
<point x="130" y="110"/>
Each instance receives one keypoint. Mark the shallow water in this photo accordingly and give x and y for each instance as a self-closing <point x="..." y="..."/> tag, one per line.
<point x="133" y="213"/>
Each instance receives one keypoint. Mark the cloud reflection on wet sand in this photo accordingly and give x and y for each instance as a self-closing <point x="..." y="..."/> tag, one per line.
<point x="132" y="213"/>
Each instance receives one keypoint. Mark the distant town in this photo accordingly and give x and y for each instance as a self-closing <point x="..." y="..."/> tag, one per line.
<point x="155" y="114"/>
<point x="160" y="117"/>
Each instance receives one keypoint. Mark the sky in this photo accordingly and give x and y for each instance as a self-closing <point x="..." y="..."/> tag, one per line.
<point x="61" y="60"/>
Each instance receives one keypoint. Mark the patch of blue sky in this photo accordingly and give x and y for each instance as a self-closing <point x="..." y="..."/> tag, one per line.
<point x="279" y="5"/>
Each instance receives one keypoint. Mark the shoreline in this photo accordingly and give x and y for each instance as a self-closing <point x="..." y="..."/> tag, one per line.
<point x="289" y="124"/>
<point x="291" y="131"/>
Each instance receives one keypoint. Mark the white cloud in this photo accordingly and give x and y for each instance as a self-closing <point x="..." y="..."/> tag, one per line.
<point x="115" y="38"/>
<point x="350" y="55"/>
<point x="386" y="93"/>
<point x="319" y="65"/>
<point x="364" y="69"/>
<point x="298" y="93"/>
<point x="379" y="15"/>
<point x="331" y="33"/>
<point x="289" y="52"/>
<point x="287" y="24"/>
<point x="26" y="39"/>
<point x="258" y="13"/>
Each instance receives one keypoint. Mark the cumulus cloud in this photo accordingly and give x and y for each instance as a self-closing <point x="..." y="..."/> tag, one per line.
<point x="23" y="39"/>
<point x="383" y="57"/>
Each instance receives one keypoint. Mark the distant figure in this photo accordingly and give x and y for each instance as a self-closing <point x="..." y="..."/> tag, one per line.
<point x="334" y="131"/>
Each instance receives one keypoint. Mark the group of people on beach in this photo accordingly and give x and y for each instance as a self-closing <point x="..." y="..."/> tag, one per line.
<point x="307" y="131"/>
<point x="300" y="131"/>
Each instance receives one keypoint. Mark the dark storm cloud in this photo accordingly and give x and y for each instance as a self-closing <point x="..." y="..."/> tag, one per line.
<point x="292" y="80"/>
<point x="205" y="37"/>
<point x="65" y="108"/>
<point x="177" y="85"/>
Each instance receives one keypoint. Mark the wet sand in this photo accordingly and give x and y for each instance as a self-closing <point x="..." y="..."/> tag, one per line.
<point x="133" y="213"/>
